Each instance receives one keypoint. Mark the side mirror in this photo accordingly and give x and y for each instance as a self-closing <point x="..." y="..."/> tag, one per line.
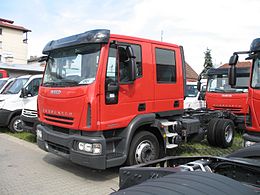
<point x="202" y="96"/>
<point x="43" y="58"/>
<point x="24" y="93"/>
<point x="199" y="85"/>
<point x="232" y="75"/>
<point x="132" y="64"/>
<point x="233" y="60"/>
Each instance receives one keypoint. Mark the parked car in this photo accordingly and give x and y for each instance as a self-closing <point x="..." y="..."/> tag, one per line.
<point x="13" y="99"/>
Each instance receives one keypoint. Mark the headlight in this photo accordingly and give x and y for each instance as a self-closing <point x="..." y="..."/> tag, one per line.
<point x="39" y="134"/>
<point x="95" y="148"/>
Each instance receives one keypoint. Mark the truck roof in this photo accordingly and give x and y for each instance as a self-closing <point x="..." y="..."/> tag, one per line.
<point x="93" y="36"/>
<point x="223" y="71"/>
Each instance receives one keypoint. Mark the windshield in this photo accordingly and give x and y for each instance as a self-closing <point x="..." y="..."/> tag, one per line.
<point x="191" y="90"/>
<point x="2" y="83"/>
<point x="255" y="83"/>
<point x="219" y="84"/>
<point x="16" y="86"/>
<point x="73" y="66"/>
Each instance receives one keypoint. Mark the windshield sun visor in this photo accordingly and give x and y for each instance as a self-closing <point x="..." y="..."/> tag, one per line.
<point x="93" y="36"/>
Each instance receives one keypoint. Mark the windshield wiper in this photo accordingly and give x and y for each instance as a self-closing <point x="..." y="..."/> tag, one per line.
<point x="50" y="84"/>
<point x="61" y="83"/>
<point x="66" y="82"/>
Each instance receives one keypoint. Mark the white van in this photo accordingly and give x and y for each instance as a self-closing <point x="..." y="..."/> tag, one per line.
<point x="4" y="83"/>
<point x="193" y="99"/>
<point x="12" y="100"/>
<point x="29" y="116"/>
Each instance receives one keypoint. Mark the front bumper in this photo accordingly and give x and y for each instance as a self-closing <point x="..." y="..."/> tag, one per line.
<point x="5" y="116"/>
<point x="65" y="145"/>
<point x="29" y="124"/>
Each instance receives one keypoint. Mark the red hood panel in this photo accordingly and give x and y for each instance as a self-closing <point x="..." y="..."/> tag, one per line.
<point x="63" y="107"/>
<point x="234" y="102"/>
<point x="63" y="92"/>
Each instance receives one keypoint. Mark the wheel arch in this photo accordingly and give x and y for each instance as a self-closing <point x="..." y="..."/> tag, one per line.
<point x="140" y="123"/>
<point x="13" y="114"/>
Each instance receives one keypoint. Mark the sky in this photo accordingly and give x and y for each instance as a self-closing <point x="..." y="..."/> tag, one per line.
<point x="223" y="26"/>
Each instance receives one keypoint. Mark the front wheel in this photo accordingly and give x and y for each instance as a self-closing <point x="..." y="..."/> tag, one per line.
<point x="15" y="125"/>
<point x="144" y="148"/>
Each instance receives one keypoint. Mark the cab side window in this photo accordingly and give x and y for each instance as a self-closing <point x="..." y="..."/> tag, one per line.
<point x="124" y="61"/>
<point x="165" y="66"/>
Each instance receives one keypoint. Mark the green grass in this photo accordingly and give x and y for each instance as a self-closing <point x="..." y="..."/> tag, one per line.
<point x="188" y="149"/>
<point x="23" y="135"/>
<point x="203" y="148"/>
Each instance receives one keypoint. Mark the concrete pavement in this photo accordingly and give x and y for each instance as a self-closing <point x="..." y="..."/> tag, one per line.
<point x="25" y="169"/>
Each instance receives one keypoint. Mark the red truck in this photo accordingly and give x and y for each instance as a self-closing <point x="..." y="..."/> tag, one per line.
<point x="3" y="73"/>
<point x="252" y="117"/>
<point x="108" y="99"/>
<point x="221" y="96"/>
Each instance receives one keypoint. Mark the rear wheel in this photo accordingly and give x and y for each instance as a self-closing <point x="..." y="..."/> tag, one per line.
<point x="211" y="133"/>
<point x="15" y="125"/>
<point x="225" y="133"/>
<point x="144" y="148"/>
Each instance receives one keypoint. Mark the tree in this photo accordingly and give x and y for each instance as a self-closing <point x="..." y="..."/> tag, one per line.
<point x="207" y="64"/>
<point x="208" y="59"/>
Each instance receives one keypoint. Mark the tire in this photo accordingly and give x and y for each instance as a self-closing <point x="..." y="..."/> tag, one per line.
<point x="252" y="152"/>
<point x="144" y="148"/>
<point x="195" y="183"/>
<point x="225" y="133"/>
<point x="211" y="133"/>
<point x="15" y="125"/>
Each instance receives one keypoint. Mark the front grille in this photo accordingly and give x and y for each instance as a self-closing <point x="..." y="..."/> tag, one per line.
<point x="59" y="119"/>
<point x="232" y="109"/>
<point x="58" y="147"/>
<point x="60" y="130"/>
<point x="29" y="113"/>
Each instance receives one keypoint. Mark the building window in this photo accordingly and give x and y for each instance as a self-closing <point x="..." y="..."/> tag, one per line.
<point x="0" y="58"/>
<point x="1" y="31"/>
<point x="1" y="45"/>
<point x="165" y="66"/>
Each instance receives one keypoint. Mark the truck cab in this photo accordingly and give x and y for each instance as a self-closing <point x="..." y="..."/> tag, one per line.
<point x="101" y="94"/>
<point x="13" y="99"/>
<point x="252" y="117"/>
<point x="221" y="96"/>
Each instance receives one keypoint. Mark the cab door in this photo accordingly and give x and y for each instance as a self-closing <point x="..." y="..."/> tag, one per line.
<point x="123" y="98"/>
<point x="169" y="90"/>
